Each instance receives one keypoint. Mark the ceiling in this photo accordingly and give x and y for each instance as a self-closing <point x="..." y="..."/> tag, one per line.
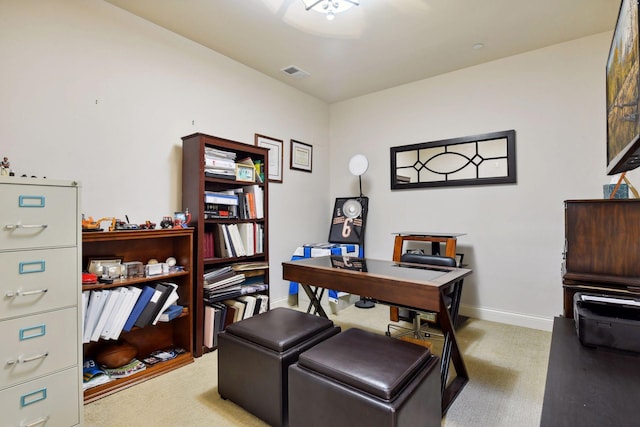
<point x="379" y="44"/>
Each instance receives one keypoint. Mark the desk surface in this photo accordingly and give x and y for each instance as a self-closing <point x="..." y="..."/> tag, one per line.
<point x="587" y="386"/>
<point x="406" y="284"/>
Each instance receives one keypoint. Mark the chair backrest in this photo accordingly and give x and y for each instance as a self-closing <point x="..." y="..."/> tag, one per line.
<point x="442" y="261"/>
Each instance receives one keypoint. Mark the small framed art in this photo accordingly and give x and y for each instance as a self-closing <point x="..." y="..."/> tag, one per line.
<point x="274" y="161"/>
<point x="301" y="156"/>
<point x="245" y="173"/>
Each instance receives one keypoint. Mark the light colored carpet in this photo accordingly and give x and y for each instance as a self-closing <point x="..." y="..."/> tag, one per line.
<point x="507" y="368"/>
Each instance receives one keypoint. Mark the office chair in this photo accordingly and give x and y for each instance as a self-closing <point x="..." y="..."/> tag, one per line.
<point x="452" y="294"/>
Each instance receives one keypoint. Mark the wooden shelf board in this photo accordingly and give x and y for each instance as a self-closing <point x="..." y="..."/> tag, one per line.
<point x="116" y="385"/>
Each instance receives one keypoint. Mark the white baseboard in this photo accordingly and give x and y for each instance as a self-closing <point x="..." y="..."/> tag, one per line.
<point x="492" y="315"/>
<point x="510" y="318"/>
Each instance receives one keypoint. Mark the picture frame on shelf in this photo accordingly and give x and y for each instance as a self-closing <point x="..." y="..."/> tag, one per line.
<point x="245" y="173"/>
<point x="301" y="156"/>
<point x="274" y="158"/>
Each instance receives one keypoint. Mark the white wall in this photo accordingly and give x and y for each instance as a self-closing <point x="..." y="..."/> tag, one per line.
<point x="92" y="93"/>
<point x="554" y="98"/>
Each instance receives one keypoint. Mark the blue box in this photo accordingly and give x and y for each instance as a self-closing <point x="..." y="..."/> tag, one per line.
<point x="622" y="193"/>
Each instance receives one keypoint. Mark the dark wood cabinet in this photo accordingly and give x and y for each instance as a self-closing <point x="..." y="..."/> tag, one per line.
<point x="602" y="248"/>
<point x="588" y="386"/>
<point x="194" y="184"/>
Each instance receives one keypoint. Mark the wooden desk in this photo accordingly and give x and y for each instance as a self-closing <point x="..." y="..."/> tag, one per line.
<point x="587" y="386"/>
<point x="411" y="285"/>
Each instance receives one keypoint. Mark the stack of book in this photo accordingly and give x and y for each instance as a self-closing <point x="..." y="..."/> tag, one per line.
<point x="220" y="204"/>
<point x="232" y="282"/>
<point x="109" y="312"/>
<point x="218" y="315"/>
<point x="219" y="163"/>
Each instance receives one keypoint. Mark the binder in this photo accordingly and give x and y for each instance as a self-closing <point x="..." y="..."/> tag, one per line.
<point x="112" y="297"/>
<point x="94" y="309"/>
<point x="209" y="321"/>
<point x="156" y="303"/>
<point x="141" y="303"/>
<point x="171" y="299"/>
<point x="133" y="294"/>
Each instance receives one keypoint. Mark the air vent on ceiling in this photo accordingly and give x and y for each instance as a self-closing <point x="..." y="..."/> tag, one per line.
<point x="295" y="72"/>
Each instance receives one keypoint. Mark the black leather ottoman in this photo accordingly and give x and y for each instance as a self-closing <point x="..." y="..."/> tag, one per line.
<point x="254" y="354"/>
<point x="358" y="378"/>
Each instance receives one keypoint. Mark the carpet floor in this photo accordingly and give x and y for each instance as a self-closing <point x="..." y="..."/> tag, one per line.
<point x="507" y="367"/>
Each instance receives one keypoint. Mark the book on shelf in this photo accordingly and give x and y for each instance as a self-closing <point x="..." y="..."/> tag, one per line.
<point x="155" y="304"/>
<point x="220" y="198"/>
<point x="249" y="266"/>
<point x="112" y="297"/>
<point x="216" y="153"/>
<point x="124" y="371"/>
<point x="93" y="375"/>
<point x="236" y="240"/>
<point x="235" y="278"/>
<point x="233" y="292"/>
<point x="264" y="303"/>
<point x="142" y="301"/>
<point x="119" y="295"/>
<point x="250" y="305"/>
<point x="158" y="356"/>
<point x="171" y="313"/>
<point x="210" y="174"/>
<point x="170" y="300"/>
<point x="94" y="309"/>
<point x="214" y="212"/>
<point x="217" y="274"/>
<point x="209" y="321"/>
<point x="219" y="318"/>
<point x="247" y="236"/>
<point x="85" y="305"/>
<point x="237" y="307"/>
<point x="132" y="295"/>
<point x="224" y="248"/>
<point x="218" y="163"/>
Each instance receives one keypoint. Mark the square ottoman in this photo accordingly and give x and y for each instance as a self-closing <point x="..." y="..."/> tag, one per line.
<point x="254" y="355"/>
<point x="362" y="378"/>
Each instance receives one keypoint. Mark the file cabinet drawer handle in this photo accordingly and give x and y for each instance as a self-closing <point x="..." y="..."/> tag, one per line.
<point x="33" y="397"/>
<point x="16" y="226"/>
<point x="27" y="359"/>
<point x="36" y="422"/>
<point x="11" y="294"/>
<point x="33" y="332"/>
<point x="31" y="267"/>
<point x="31" y="201"/>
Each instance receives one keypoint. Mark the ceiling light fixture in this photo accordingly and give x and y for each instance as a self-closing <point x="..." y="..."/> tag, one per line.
<point x="330" y="7"/>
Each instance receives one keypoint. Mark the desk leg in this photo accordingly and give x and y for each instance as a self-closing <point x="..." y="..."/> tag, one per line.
<point x="314" y="301"/>
<point x="318" y="292"/>
<point x="450" y="353"/>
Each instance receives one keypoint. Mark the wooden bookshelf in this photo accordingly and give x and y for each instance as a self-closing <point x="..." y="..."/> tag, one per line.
<point x="143" y="245"/>
<point x="194" y="184"/>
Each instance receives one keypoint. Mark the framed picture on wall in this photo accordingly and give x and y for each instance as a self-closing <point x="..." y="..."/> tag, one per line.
<point x="301" y="156"/>
<point x="274" y="161"/>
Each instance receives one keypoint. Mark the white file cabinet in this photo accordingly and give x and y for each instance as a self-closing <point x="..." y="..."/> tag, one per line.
<point x="40" y="324"/>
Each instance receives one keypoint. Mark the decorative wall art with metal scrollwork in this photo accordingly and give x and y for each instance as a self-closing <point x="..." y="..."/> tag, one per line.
<point x="484" y="159"/>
